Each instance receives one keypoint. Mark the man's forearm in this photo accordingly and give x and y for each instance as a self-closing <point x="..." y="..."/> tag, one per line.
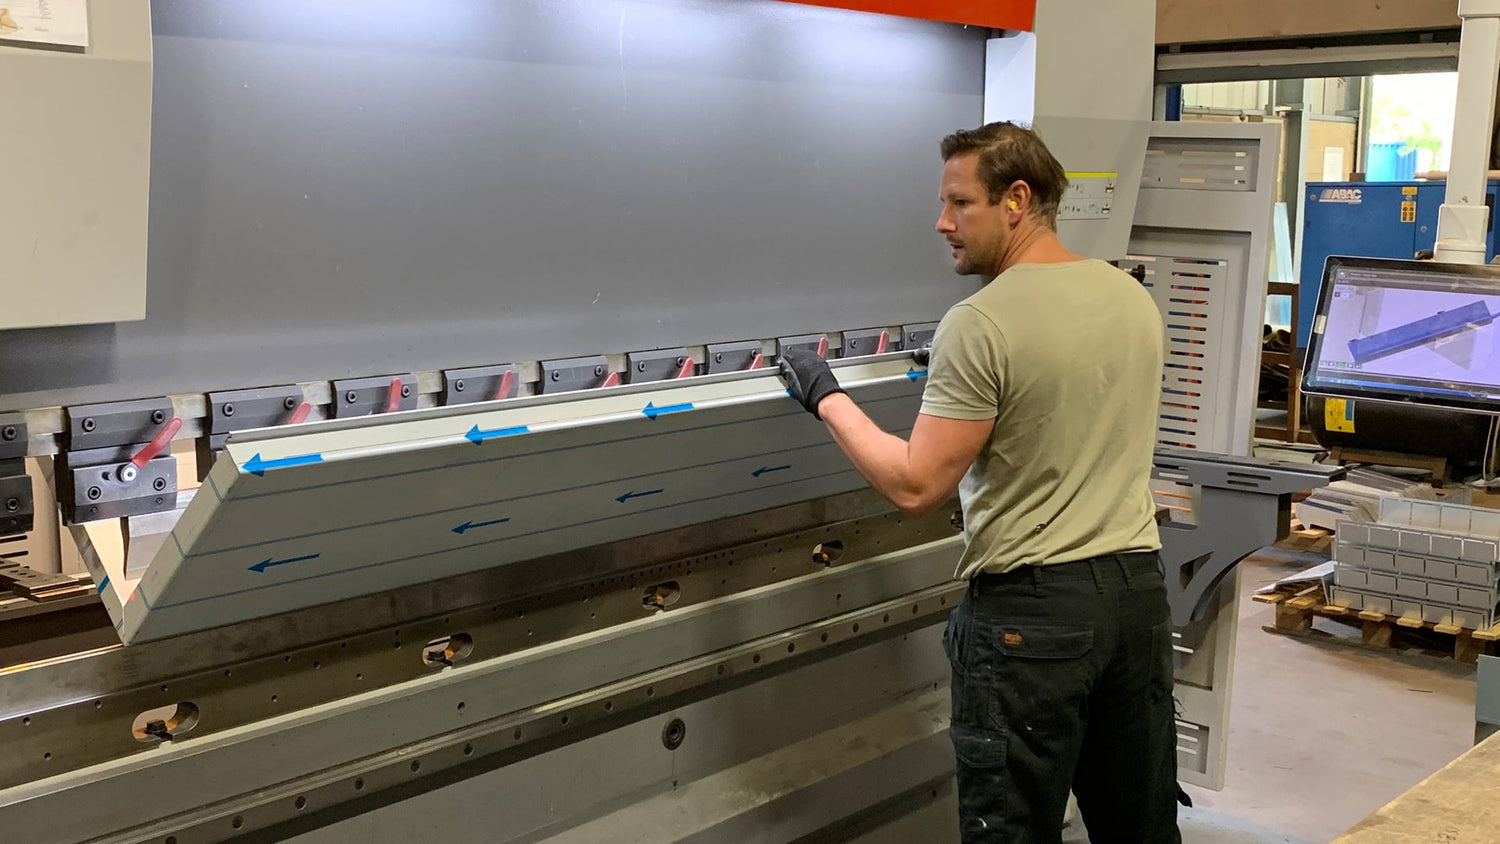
<point x="883" y="459"/>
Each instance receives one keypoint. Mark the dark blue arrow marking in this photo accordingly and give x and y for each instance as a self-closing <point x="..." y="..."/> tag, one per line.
<point x="477" y="436"/>
<point x="472" y="525"/>
<point x="629" y="495"/>
<point x="265" y="564"/>
<point x="260" y="467"/>
<point x="652" y="411"/>
<point x="915" y="373"/>
<point x="766" y="470"/>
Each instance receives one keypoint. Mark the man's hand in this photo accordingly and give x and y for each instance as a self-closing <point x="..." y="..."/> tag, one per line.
<point x="808" y="377"/>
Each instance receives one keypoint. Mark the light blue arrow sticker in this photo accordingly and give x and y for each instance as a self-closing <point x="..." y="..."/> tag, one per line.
<point x="259" y="467"/>
<point x="477" y="436"/>
<point x="652" y="411"/>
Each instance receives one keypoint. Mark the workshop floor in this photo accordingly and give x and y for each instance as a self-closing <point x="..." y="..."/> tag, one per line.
<point x="1321" y="735"/>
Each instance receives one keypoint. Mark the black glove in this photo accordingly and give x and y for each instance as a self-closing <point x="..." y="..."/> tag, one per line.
<point x="808" y="377"/>
<point x="923" y="354"/>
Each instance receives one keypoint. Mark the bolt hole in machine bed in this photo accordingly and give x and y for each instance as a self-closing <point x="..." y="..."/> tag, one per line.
<point x="391" y="449"/>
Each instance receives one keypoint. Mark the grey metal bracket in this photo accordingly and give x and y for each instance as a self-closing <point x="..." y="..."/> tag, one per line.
<point x="17" y="509"/>
<point x="917" y="335"/>
<point x="564" y="376"/>
<point x="243" y="410"/>
<point x="12" y="436"/>
<point x="479" y="383"/>
<point x="95" y="477"/>
<point x="1243" y="505"/>
<point x="731" y="357"/>
<point x="120" y="425"/>
<point x="807" y="341"/>
<point x="368" y="396"/>
<point x="16" y="506"/>
<point x="867" y="342"/>
<point x="656" y="365"/>
<point x="97" y="491"/>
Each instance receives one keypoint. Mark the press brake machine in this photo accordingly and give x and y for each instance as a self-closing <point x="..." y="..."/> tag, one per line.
<point x="380" y="527"/>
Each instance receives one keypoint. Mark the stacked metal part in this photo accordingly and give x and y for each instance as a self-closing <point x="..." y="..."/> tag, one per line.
<point x="1424" y="561"/>
<point x="1356" y="498"/>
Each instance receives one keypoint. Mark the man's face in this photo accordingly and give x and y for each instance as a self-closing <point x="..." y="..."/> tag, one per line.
<point x="977" y="230"/>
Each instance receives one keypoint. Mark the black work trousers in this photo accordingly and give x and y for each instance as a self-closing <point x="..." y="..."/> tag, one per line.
<point x="1062" y="679"/>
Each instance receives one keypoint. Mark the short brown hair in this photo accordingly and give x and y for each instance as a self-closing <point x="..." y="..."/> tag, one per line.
<point x="1009" y="153"/>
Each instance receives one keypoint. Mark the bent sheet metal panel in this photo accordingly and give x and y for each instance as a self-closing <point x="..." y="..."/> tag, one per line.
<point x="300" y="517"/>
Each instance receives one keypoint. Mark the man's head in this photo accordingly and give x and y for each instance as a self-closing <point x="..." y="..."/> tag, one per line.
<point x="999" y="183"/>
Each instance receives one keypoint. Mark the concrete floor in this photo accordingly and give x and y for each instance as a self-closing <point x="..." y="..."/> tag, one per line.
<point x="1323" y="734"/>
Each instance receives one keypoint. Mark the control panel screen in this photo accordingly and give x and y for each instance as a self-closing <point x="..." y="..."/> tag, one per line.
<point x="1409" y="331"/>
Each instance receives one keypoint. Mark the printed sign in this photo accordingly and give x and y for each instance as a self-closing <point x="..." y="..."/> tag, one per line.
<point x="1344" y="196"/>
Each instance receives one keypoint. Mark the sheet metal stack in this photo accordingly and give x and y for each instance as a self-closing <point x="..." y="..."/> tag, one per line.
<point x="1424" y="560"/>
<point x="1357" y="498"/>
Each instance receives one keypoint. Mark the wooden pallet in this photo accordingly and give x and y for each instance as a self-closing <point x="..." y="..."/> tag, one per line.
<point x="1306" y="539"/>
<point x="1295" y="612"/>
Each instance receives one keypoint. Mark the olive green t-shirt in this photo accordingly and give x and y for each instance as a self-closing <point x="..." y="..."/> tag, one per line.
<point x="1067" y="359"/>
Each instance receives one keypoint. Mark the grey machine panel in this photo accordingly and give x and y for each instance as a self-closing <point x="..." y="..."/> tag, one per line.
<point x="335" y="196"/>
<point x="1487" y="698"/>
<point x="1204" y="246"/>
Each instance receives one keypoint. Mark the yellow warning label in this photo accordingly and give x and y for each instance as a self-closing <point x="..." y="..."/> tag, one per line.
<point x="1409" y="190"/>
<point x="1409" y="211"/>
<point x="1338" y="415"/>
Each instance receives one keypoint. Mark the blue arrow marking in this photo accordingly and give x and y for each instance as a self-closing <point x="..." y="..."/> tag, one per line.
<point x="766" y="470"/>
<point x="472" y="525"/>
<point x="260" y="467"/>
<point x="915" y="373"/>
<point x="629" y="495"/>
<point x="477" y="436"/>
<point x="261" y="566"/>
<point x="652" y="411"/>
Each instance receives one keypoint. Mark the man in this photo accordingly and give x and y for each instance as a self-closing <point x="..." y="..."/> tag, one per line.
<point x="1042" y="399"/>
